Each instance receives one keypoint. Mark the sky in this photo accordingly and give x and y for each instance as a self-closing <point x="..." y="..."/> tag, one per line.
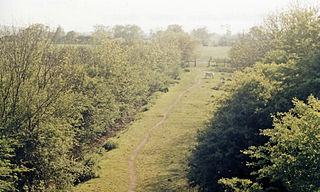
<point x="82" y="15"/>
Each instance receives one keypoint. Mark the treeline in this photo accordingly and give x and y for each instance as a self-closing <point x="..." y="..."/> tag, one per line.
<point x="57" y="101"/>
<point x="214" y="39"/>
<point x="133" y="32"/>
<point x="124" y="32"/>
<point x="258" y="139"/>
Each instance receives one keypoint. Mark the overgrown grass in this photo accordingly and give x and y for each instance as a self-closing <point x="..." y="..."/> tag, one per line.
<point x="162" y="163"/>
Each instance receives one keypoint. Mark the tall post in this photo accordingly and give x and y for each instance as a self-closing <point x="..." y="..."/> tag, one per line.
<point x="209" y="62"/>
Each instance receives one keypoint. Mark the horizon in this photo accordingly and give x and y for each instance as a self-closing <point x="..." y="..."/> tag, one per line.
<point x="83" y="15"/>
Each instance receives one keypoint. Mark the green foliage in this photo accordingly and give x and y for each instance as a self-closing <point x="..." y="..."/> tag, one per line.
<point x="282" y="38"/>
<point x="109" y="145"/>
<point x="127" y="32"/>
<point x="88" y="169"/>
<point x="202" y="34"/>
<point x="214" y="53"/>
<point x="8" y="171"/>
<point x="175" y="28"/>
<point x="188" y="47"/>
<point x="293" y="148"/>
<point x="292" y="152"/>
<point x="250" y="48"/>
<point x="233" y="128"/>
<point x="33" y="81"/>
<point x="288" y="48"/>
<point x="240" y="185"/>
<point x="56" y="101"/>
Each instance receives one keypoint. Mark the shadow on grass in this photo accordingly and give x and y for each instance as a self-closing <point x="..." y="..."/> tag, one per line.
<point x="173" y="181"/>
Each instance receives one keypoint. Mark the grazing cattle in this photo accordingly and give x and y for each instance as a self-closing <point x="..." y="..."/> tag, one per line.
<point x="209" y="74"/>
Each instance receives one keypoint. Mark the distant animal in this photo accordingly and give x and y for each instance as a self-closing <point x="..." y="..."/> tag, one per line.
<point x="209" y="74"/>
<point x="165" y="90"/>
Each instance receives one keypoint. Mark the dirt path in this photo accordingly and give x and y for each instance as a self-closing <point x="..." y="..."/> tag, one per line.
<point x="132" y="167"/>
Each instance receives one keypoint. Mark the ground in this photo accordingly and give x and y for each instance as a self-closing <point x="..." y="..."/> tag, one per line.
<point x="161" y="164"/>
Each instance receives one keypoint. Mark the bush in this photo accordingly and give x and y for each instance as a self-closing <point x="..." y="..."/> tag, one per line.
<point x="88" y="169"/>
<point x="109" y="145"/>
<point x="291" y="155"/>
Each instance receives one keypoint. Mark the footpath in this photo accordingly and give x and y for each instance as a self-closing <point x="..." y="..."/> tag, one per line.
<point x="153" y="150"/>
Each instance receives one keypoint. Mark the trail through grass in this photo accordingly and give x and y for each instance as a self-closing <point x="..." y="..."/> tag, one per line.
<point x="161" y="164"/>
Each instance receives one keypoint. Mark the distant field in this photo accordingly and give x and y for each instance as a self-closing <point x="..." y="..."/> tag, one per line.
<point x="215" y="52"/>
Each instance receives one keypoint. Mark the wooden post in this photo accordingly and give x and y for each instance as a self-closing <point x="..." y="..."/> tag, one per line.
<point x="209" y="62"/>
<point x="195" y="62"/>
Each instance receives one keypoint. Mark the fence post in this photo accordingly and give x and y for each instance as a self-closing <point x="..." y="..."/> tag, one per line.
<point x="209" y="62"/>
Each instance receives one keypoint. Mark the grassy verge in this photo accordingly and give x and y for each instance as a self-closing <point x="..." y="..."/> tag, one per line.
<point x="161" y="164"/>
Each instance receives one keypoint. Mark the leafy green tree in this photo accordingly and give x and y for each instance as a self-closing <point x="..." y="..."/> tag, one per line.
<point x="8" y="171"/>
<point x="188" y="46"/>
<point x="34" y="78"/>
<point x="289" y="69"/>
<point x="280" y="39"/>
<point x="292" y="152"/>
<point x="233" y="128"/>
<point x="250" y="48"/>
<point x="57" y="103"/>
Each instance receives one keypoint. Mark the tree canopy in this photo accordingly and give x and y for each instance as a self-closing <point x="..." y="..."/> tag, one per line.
<point x="58" y="102"/>
<point x="278" y="61"/>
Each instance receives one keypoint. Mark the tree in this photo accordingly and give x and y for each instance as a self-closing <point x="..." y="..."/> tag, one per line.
<point x="128" y="32"/>
<point x="34" y="79"/>
<point x="100" y="33"/>
<point x="188" y="46"/>
<point x="281" y="38"/>
<point x="233" y="128"/>
<point x="250" y="48"/>
<point x="59" y="103"/>
<point x="292" y="152"/>
<point x="202" y="34"/>
<point x="8" y="171"/>
<point x="58" y="35"/>
<point x="287" y="70"/>
<point x="174" y="28"/>
<point x="71" y="37"/>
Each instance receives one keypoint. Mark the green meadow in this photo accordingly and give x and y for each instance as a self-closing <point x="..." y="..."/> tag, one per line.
<point x="214" y="52"/>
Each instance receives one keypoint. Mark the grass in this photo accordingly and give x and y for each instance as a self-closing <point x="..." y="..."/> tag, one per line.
<point x="162" y="163"/>
<point x="215" y="52"/>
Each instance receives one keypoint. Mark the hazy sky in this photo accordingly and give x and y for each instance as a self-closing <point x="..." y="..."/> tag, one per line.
<point x="82" y="15"/>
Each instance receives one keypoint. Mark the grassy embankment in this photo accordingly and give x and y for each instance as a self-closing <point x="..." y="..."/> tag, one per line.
<point x="162" y="162"/>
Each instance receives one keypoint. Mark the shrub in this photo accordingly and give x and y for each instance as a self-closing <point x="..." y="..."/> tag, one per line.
<point x="109" y="145"/>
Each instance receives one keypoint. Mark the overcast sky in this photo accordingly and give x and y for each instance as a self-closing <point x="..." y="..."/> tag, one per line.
<point x="82" y="15"/>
